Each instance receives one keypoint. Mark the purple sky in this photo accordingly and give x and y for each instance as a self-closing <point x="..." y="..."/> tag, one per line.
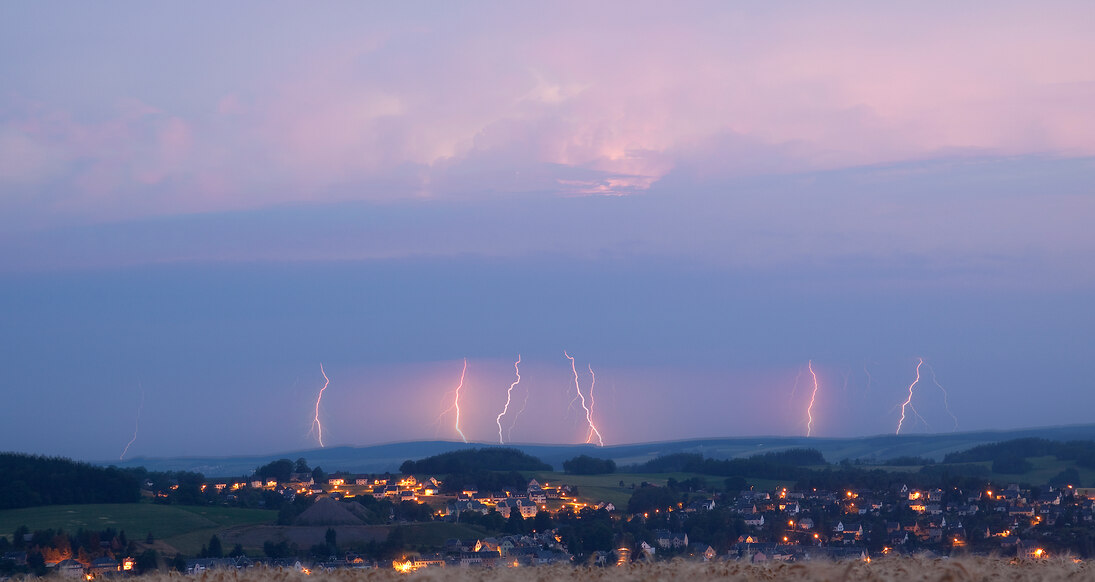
<point x="208" y="200"/>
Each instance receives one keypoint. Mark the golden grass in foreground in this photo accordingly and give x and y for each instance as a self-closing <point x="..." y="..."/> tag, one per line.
<point x="889" y="569"/>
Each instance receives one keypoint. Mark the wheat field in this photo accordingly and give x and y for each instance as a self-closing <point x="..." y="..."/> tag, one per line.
<point x="903" y="569"/>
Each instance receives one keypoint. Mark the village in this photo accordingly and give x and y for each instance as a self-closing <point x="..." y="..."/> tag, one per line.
<point x="545" y="523"/>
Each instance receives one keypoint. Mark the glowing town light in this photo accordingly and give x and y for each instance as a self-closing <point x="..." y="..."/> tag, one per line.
<point x="946" y="404"/>
<point x="456" y="403"/>
<point x="317" y="425"/>
<point x="813" y="396"/>
<point x="509" y="396"/>
<point x="136" y="425"/>
<point x="908" y="401"/>
<point x="589" y="416"/>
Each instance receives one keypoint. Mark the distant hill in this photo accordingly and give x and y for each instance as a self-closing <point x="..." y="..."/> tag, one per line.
<point x="388" y="457"/>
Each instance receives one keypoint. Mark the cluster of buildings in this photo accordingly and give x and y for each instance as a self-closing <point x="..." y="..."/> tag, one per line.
<point x="793" y="525"/>
<point x="528" y="502"/>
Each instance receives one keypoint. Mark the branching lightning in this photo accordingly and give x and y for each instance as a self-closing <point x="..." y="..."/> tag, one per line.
<point x="589" y="412"/>
<point x="136" y="425"/>
<point x="524" y="405"/>
<point x="456" y="403"/>
<point x="813" y="396"/>
<point x="317" y="425"/>
<point x="945" y="402"/>
<point x="794" y="388"/>
<point x="509" y="396"/>
<point x="908" y="401"/>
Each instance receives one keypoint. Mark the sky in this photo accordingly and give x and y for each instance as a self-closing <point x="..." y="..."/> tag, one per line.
<point x="202" y="203"/>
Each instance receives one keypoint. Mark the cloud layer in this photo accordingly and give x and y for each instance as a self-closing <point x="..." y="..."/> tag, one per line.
<point x="163" y="111"/>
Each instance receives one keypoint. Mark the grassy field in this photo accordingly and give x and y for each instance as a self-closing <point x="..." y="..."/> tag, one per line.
<point x="1043" y="469"/>
<point x="911" y="569"/>
<point x="431" y="534"/>
<point x="169" y="523"/>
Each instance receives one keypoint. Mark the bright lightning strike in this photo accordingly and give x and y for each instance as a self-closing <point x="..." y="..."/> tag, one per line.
<point x="317" y="425"/>
<point x="908" y="401"/>
<point x="136" y="426"/>
<point x="945" y="402"/>
<point x="589" y="413"/>
<point x="456" y="403"/>
<point x="509" y="396"/>
<point x="868" y="373"/>
<point x="813" y="396"/>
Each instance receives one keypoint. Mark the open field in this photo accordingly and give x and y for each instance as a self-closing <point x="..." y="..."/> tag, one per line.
<point x="416" y="534"/>
<point x="169" y="523"/>
<point x="913" y="569"/>
<point x="607" y="487"/>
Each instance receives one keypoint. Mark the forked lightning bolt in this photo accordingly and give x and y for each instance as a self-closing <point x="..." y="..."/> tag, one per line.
<point x="509" y="396"/>
<point x="136" y="425"/>
<point x="317" y="425"/>
<point x="456" y="403"/>
<point x="908" y="401"/>
<point x="813" y="396"/>
<point x="946" y="404"/>
<point x="589" y="414"/>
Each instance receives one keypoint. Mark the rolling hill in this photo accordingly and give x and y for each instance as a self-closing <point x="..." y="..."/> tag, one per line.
<point x="388" y="457"/>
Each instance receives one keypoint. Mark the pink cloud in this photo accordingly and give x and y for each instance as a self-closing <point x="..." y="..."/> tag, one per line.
<point x="435" y="107"/>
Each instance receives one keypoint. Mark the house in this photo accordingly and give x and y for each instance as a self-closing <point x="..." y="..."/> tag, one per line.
<point x="755" y="520"/>
<point x="104" y="565"/>
<point x="701" y="505"/>
<point x="702" y="551"/>
<point x="69" y="568"/>
<point x="434" y="560"/>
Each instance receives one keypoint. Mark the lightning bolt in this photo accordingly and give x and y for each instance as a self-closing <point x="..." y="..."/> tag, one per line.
<point x="509" y="395"/>
<point x="589" y="415"/>
<point x="945" y="402"/>
<point x="794" y="388"/>
<point x="868" y="373"/>
<point x="845" y="389"/>
<point x="524" y="405"/>
<point x="908" y="401"/>
<point x="136" y="425"/>
<point x="813" y="396"/>
<point x="456" y="403"/>
<point x="317" y="425"/>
